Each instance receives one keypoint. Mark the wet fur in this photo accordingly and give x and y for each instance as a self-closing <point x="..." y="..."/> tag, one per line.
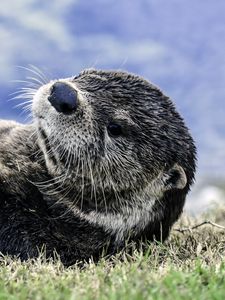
<point x="81" y="192"/>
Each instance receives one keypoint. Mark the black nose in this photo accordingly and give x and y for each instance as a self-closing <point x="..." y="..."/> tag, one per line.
<point x="63" y="98"/>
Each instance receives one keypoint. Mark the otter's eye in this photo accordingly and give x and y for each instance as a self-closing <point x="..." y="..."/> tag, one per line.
<point x="114" y="129"/>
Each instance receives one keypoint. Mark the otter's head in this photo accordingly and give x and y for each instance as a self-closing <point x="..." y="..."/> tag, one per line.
<point x="116" y="136"/>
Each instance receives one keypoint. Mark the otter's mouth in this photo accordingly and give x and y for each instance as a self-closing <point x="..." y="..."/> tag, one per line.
<point x="47" y="145"/>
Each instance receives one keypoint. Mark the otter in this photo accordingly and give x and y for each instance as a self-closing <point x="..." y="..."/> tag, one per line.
<point x="107" y="159"/>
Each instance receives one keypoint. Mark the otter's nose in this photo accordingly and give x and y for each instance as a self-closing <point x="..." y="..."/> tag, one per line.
<point x="63" y="98"/>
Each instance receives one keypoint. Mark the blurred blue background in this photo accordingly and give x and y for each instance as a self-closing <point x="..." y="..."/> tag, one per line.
<point x="179" y="45"/>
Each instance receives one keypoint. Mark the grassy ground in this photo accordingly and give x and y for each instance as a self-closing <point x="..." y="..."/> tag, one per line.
<point x="188" y="266"/>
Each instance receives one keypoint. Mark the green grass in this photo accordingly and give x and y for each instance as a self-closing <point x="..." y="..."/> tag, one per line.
<point x="188" y="266"/>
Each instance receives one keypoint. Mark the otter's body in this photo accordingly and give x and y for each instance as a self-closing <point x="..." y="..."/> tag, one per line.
<point x="106" y="159"/>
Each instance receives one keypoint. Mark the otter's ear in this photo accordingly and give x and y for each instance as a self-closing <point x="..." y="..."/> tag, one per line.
<point x="175" y="178"/>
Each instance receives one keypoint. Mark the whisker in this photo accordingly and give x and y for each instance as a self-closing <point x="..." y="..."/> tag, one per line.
<point x="40" y="72"/>
<point x="36" y="80"/>
<point x="23" y="103"/>
<point x="34" y="71"/>
<point x="103" y="191"/>
<point x="28" y="83"/>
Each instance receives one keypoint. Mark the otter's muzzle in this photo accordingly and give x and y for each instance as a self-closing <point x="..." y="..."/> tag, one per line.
<point x="63" y="98"/>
